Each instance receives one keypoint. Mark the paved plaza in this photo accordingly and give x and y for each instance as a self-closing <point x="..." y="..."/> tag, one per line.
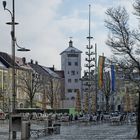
<point x="83" y="131"/>
<point x="95" y="132"/>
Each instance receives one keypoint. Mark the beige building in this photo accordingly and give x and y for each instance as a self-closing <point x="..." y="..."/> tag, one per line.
<point x="35" y="85"/>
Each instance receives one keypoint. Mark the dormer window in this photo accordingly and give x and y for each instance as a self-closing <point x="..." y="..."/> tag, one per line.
<point x="72" y="51"/>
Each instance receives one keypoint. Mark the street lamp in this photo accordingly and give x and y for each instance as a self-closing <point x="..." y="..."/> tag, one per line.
<point x="13" y="23"/>
<point x="21" y="48"/>
<point x="14" y="42"/>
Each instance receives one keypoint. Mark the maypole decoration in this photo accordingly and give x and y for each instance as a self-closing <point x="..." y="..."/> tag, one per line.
<point x="93" y="109"/>
<point x="100" y="71"/>
<point x="86" y="103"/>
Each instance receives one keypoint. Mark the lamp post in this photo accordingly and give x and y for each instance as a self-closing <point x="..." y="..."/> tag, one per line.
<point x="14" y="42"/>
<point x="12" y="23"/>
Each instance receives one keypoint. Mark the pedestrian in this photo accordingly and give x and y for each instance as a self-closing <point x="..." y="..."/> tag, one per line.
<point x="76" y="117"/>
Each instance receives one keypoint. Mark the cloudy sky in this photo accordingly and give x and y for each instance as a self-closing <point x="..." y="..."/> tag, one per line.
<point x="46" y="25"/>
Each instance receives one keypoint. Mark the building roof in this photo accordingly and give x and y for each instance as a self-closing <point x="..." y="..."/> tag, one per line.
<point x="6" y="59"/>
<point x="21" y="62"/>
<point x="60" y="73"/>
<point x="51" y="72"/>
<point x="38" y="69"/>
<point x="71" y="49"/>
<point x="42" y="70"/>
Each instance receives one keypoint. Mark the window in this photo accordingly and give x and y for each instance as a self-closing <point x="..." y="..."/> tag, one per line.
<point x="76" y="63"/>
<point x="68" y="72"/>
<point x="76" y="80"/>
<point x="69" y="90"/>
<point x="69" y="63"/>
<point x="86" y="89"/>
<point x="69" y="80"/>
<point x="72" y="55"/>
<point x="72" y="72"/>
<point x="102" y="99"/>
<point x="72" y="98"/>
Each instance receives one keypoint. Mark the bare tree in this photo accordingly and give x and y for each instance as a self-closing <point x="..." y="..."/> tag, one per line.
<point x="107" y="89"/>
<point x="124" y="44"/>
<point x="30" y="83"/>
<point x="53" y="91"/>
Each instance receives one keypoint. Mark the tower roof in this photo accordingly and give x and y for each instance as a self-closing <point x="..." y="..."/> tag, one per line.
<point x="71" y="49"/>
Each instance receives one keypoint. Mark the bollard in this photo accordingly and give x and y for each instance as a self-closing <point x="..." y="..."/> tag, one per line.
<point x="25" y="130"/>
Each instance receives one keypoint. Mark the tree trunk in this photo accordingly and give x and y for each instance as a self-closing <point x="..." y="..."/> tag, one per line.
<point x="52" y="102"/>
<point x="138" y="120"/>
<point x="31" y="102"/>
<point x="107" y="104"/>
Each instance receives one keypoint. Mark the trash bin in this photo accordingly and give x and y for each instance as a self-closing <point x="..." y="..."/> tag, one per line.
<point x="15" y="124"/>
<point x="25" y="130"/>
<point x="56" y="128"/>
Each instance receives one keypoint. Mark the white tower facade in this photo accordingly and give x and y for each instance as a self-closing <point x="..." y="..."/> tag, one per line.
<point x="71" y="65"/>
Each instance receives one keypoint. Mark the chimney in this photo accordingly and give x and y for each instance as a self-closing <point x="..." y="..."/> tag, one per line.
<point x="53" y="67"/>
<point x="36" y="62"/>
<point x="24" y="60"/>
<point x="32" y="61"/>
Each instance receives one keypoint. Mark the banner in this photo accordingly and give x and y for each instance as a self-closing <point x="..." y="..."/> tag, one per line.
<point x="100" y="71"/>
<point x="107" y="80"/>
<point x="112" y="78"/>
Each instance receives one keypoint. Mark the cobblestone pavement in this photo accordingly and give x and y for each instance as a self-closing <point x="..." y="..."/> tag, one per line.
<point x="82" y="131"/>
<point x="95" y="132"/>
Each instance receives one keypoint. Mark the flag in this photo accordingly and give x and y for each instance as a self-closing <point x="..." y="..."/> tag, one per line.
<point x="112" y="78"/>
<point x="100" y="71"/>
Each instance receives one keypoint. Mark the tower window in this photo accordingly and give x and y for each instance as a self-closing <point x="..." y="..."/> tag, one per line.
<point x="69" y="80"/>
<point x="69" y="90"/>
<point x="72" y="72"/>
<point x="76" y="80"/>
<point x="76" y="63"/>
<point x="72" y="98"/>
<point x="69" y="63"/>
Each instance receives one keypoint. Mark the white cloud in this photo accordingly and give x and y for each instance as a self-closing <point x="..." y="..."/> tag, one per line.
<point x="45" y="30"/>
<point x="73" y="24"/>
